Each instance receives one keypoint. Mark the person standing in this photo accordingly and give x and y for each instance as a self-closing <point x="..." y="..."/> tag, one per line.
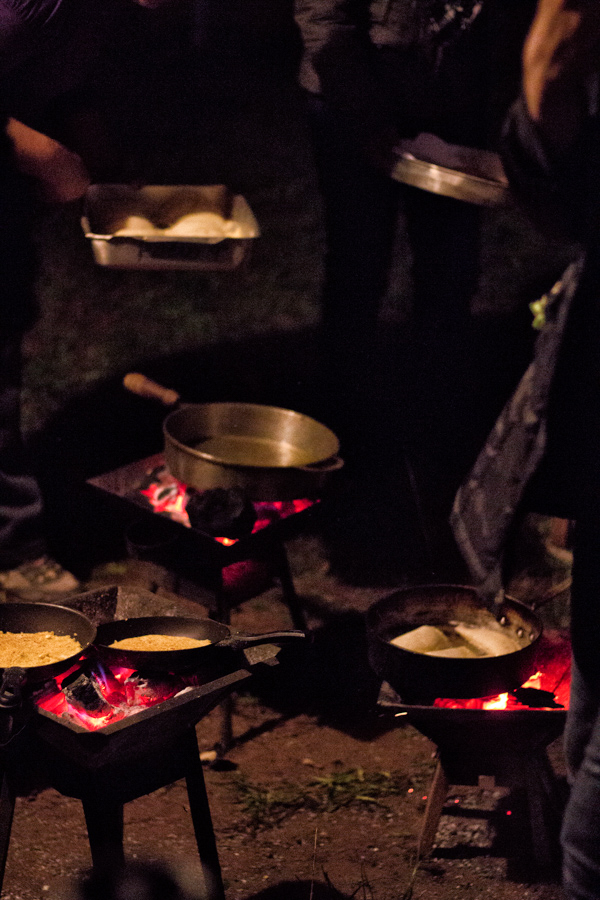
<point x="551" y="154"/>
<point x="33" y="168"/>
<point x="374" y="72"/>
<point x="48" y="51"/>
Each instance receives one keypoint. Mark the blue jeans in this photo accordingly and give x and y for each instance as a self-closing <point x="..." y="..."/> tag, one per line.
<point x="580" y="837"/>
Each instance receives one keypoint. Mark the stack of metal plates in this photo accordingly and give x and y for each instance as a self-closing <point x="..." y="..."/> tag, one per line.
<point x="464" y="173"/>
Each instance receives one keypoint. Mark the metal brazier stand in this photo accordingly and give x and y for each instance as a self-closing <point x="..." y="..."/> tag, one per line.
<point x="499" y="747"/>
<point x="198" y="555"/>
<point x="121" y="761"/>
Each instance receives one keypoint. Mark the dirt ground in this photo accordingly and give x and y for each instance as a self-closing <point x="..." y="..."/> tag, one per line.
<point x="322" y="794"/>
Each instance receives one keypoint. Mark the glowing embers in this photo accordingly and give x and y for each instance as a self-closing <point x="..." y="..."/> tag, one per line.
<point x="168" y="496"/>
<point x="548" y="688"/>
<point x="94" y="695"/>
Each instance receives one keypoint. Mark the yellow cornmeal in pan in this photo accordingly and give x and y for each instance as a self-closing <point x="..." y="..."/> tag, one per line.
<point x="37" y="648"/>
<point x="155" y="642"/>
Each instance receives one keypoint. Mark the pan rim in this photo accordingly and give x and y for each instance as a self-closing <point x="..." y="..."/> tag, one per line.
<point x="377" y="632"/>
<point x="234" y="406"/>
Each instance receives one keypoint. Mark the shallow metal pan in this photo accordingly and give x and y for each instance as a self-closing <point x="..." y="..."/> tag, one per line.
<point x="270" y="452"/>
<point x="449" y="182"/>
<point x="462" y="173"/>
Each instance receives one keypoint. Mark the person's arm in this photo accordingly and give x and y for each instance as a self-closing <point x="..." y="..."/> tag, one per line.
<point x="551" y="141"/>
<point x="60" y="173"/>
<point x="560" y="57"/>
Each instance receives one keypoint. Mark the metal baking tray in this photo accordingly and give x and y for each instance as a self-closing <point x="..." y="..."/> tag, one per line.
<point x="475" y="176"/>
<point x="168" y="227"/>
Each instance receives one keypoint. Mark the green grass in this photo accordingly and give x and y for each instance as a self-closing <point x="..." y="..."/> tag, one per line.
<point x="97" y="323"/>
<point x="268" y="805"/>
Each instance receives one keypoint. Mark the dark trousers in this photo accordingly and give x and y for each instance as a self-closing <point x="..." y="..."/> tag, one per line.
<point x="21" y="526"/>
<point x="21" y="513"/>
<point x="581" y="825"/>
<point x="361" y="207"/>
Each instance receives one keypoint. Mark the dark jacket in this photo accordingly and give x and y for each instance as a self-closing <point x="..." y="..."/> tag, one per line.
<point x="47" y="50"/>
<point x="564" y="194"/>
<point x="544" y="452"/>
<point x="414" y="65"/>
<point x="351" y="28"/>
<point x="488" y="503"/>
<point x="50" y="49"/>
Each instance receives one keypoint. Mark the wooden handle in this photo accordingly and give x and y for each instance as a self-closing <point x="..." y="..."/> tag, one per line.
<point x="145" y="387"/>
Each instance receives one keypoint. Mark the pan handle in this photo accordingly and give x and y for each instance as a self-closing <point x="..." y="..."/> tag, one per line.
<point x="13" y="681"/>
<point x="241" y="641"/>
<point x="12" y="717"/>
<point x="144" y="387"/>
<point x="327" y="465"/>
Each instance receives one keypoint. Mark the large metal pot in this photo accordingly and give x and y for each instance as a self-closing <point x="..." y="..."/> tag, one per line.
<point x="420" y="678"/>
<point x="270" y="452"/>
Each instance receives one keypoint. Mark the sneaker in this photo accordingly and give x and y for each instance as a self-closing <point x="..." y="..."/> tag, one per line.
<point x="40" y="579"/>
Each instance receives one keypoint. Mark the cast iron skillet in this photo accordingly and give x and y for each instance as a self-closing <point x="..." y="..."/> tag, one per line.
<point x="179" y="661"/>
<point x="419" y="678"/>
<point x="33" y="617"/>
<point x="30" y="618"/>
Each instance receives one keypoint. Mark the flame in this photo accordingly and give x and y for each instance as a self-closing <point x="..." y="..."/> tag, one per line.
<point x="553" y="675"/>
<point x="121" y="695"/>
<point x="168" y="498"/>
<point x="93" y="723"/>
<point x="499" y="702"/>
<point x="534" y="682"/>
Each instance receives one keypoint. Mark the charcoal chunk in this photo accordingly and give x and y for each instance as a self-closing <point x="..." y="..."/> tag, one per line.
<point x="83" y="693"/>
<point x="221" y="512"/>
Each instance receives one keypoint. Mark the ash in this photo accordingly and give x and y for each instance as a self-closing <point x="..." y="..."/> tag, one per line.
<point x="469" y="820"/>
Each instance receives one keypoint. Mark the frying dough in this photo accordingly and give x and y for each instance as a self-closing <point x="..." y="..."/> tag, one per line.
<point x="460" y="641"/>
<point x="461" y="651"/>
<point x="424" y="639"/>
<point x="489" y="641"/>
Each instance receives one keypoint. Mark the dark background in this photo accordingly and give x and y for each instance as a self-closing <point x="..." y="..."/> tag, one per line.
<point x="207" y="93"/>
